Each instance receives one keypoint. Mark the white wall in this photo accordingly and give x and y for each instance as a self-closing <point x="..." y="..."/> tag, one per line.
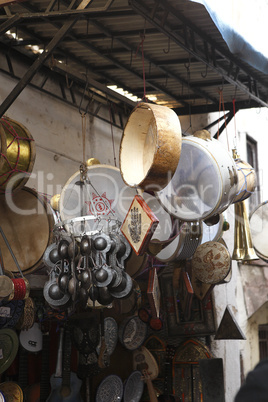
<point x="57" y="131"/>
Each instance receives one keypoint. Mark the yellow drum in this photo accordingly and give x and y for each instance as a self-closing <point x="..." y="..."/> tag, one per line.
<point x="150" y="147"/>
<point x="17" y="155"/>
<point x="27" y="221"/>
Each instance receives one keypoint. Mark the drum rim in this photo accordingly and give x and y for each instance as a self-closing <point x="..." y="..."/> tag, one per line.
<point x="50" y="220"/>
<point x="152" y="170"/>
<point x="259" y="254"/>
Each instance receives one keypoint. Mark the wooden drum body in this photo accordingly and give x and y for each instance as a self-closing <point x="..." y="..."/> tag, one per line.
<point x="27" y="222"/>
<point x="205" y="181"/>
<point x="150" y="147"/>
<point x="17" y="155"/>
<point x="246" y="180"/>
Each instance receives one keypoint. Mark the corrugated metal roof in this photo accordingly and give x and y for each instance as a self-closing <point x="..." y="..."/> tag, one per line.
<point x="169" y="49"/>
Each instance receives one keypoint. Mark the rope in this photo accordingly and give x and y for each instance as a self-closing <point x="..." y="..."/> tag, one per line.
<point x="143" y="67"/>
<point x="221" y="104"/>
<point x="84" y="124"/>
<point x="110" y="112"/>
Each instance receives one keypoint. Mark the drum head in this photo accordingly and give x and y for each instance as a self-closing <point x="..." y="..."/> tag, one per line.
<point x="258" y="223"/>
<point x="27" y="223"/>
<point x="102" y="197"/>
<point x="195" y="191"/>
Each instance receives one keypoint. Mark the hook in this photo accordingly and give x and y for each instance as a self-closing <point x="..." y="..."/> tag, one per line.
<point x="203" y="75"/>
<point x="69" y="85"/>
<point x="83" y="96"/>
<point x="168" y="49"/>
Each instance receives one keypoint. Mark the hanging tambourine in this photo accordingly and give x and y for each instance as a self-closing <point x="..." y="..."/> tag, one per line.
<point x="150" y="147"/>
<point x="97" y="202"/>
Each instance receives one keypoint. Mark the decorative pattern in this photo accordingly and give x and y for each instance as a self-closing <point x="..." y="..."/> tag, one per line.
<point x="211" y="262"/>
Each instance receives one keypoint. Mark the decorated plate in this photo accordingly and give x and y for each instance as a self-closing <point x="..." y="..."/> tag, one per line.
<point x="134" y="387"/>
<point x="9" y="344"/>
<point x="132" y="332"/>
<point x="110" y="389"/>
<point x="10" y="312"/>
<point x="110" y="335"/>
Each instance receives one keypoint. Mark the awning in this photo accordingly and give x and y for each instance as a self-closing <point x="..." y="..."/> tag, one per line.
<point x="243" y="26"/>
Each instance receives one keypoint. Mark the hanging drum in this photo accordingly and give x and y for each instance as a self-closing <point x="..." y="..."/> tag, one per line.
<point x="246" y="180"/>
<point x="101" y="199"/>
<point x="27" y="222"/>
<point x="17" y="155"/>
<point x="205" y="181"/>
<point x="213" y="232"/>
<point x="150" y="147"/>
<point x="258" y="223"/>
<point x="184" y="244"/>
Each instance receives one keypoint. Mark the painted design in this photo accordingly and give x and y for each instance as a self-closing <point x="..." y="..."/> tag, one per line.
<point x="100" y="205"/>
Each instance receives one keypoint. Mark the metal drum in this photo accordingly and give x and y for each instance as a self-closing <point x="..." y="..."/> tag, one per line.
<point x="258" y="223"/>
<point x="17" y="155"/>
<point x="27" y="222"/>
<point x="150" y="147"/>
<point x="100" y="200"/>
<point x="212" y="232"/>
<point x="205" y="181"/>
<point x="184" y="244"/>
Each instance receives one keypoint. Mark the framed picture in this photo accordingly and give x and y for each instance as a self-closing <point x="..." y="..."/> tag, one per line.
<point x="201" y="317"/>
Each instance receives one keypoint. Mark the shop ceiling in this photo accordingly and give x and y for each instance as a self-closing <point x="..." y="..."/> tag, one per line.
<point x="164" y="51"/>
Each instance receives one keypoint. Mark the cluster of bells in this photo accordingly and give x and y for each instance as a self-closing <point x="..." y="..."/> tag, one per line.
<point x="87" y="269"/>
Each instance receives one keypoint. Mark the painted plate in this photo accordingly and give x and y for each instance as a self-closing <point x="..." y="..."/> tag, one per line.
<point x="110" y="389"/>
<point x="10" y="312"/>
<point x="134" y="387"/>
<point x="110" y="335"/>
<point x="211" y="262"/>
<point x="9" y="344"/>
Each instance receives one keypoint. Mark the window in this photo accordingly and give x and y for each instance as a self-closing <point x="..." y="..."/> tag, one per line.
<point x="263" y="341"/>
<point x="252" y="159"/>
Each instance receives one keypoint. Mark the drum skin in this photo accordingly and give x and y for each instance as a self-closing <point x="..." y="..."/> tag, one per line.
<point x="17" y="155"/>
<point x="27" y="222"/>
<point x="150" y="147"/>
<point x="258" y="223"/>
<point x="204" y="183"/>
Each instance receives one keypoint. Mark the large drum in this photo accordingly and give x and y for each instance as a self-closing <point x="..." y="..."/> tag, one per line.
<point x="27" y="221"/>
<point x="258" y="223"/>
<point x="184" y="244"/>
<point x="100" y="200"/>
<point x="205" y="181"/>
<point x="246" y="180"/>
<point x="17" y="155"/>
<point x="150" y="147"/>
